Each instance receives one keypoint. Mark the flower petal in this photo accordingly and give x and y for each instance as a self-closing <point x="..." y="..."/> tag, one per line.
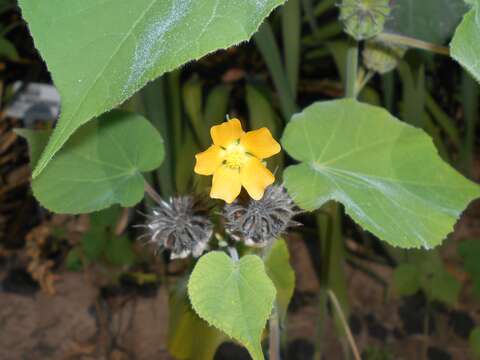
<point x="226" y="133"/>
<point x="226" y="184"/>
<point x="260" y="143"/>
<point x="209" y="160"/>
<point x="256" y="178"/>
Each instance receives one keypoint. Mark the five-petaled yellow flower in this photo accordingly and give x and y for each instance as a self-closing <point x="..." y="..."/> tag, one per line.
<point x="235" y="160"/>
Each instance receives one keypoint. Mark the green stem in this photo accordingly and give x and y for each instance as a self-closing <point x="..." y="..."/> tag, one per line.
<point x="233" y="253"/>
<point x="352" y="68"/>
<point x="414" y="43"/>
<point x="364" y="81"/>
<point x="152" y="193"/>
<point x="274" y="335"/>
<point x="470" y="100"/>
<point x="343" y="319"/>
<point x="325" y="220"/>
<point x="322" y="323"/>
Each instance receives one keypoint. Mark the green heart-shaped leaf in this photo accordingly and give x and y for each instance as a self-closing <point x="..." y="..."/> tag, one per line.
<point x="234" y="296"/>
<point x="387" y="173"/>
<point x="100" y="165"/>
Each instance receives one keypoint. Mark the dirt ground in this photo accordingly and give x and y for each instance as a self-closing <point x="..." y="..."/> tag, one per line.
<point x="79" y="322"/>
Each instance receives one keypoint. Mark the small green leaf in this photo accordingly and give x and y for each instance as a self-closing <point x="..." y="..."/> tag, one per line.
<point x="93" y="244"/>
<point x="73" y="262"/>
<point x="119" y="251"/>
<point x="101" y="52"/>
<point x="105" y="220"/>
<point x="277" y="265"/>
<point x="387" y="174"/>
<point x="235" y="297"/>
<point x="407" y="279"/>
<point x="465" y="45"/>
<point x="102" y="225"/>
<point x="444" y="287"/>
<point x="189" y="337"/>
<point x="469" y="250"/>
<point x="101" y="165"/>
<point x="475" y="341"/>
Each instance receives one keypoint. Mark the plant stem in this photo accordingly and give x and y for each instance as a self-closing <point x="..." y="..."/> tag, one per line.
<point x="415" y="43"/>
<point x="322" y="323"/>
<point x="470" y="100"/>
<point x="352" y="67"/>
<point x="364" y="81"/>
<point x="274" y="335"/>
<point x="233" y="253"/>
<point x="152" y="193"/>
<point x="325" y="225"/>
<point x="341" y="315"/>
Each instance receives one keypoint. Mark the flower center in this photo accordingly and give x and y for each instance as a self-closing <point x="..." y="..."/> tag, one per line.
<point x="235" y="156"/>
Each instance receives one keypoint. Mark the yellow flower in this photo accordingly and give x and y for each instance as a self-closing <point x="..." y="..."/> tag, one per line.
<point x="234" y="160"/>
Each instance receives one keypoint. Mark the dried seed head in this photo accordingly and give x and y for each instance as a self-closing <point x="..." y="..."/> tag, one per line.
<point x="180" y="226"/>
<point x="364" y="19"/>
<point x="263" y="221"/>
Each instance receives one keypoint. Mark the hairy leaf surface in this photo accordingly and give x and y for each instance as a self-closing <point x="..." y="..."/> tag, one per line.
<point x="235" y="297"/>
<point x="101" y="52"/>
<point x="387" y="173"/>
<point x="100" y="165"/>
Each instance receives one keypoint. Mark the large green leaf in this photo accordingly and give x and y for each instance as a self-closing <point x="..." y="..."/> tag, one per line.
<point x="101" y="165"/>
<point x="277" y="264"/>
<point x="387" y="173"/>
<point x="234" y="296"/>
<point x="465" y="46"/>
<point x="427" y="20"/>
<point x="101" y="52"/>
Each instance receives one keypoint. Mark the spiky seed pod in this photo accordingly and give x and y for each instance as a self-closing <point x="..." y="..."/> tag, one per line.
<point x="260" y="222"/>
<point x="181" y="226"/>
<point x="363" y="19"/>
<point x="382" y="57"/>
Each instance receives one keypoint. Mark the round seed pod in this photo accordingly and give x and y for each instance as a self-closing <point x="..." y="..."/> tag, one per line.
<point x="382" y="57"/>
<point x="364" y="19"/>
<point x="260" y="222"/>
<point x="180" y="225"/>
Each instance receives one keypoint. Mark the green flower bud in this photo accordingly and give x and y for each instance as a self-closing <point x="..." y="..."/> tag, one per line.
<point x="364" y="19"/>
<point x="382" y="57"/>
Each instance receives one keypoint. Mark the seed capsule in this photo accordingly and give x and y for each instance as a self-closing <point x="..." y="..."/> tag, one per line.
<point x="364" y="19"/>
<point x="382" y="57"/>
<point x="179" y="225"/>
<point x="260" y="222"/>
